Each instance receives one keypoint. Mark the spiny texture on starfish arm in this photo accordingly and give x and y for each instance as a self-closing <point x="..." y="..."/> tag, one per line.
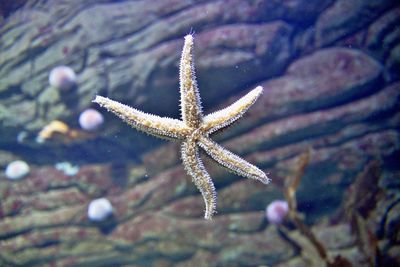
<point x="194" y="129"/>
<point x="152" y="124"/>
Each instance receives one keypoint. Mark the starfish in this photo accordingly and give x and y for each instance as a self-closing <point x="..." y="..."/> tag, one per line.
<point x="194" y="129"/>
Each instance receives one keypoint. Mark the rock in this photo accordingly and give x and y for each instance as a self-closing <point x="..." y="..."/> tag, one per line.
<point x="343" y="18"/>
<point x="379" y="40"/>
<point x="329" y="71"/>
<point x="297" y="12"/>
<point x="294" y="128"/>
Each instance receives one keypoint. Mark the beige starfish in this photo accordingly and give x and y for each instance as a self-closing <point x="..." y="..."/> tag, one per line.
<point x="194" y="129"/>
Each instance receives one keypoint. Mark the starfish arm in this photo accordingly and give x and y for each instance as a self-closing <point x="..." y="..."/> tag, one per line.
<point x="231" y="161"/>
<point x="151" y="124"/>
<point x="226" y="116"/>
<point x="195" y="168"/>
<point x="190" y="97"/>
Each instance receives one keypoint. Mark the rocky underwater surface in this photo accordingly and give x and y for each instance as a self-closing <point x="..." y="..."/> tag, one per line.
<point x="326" y="130"/>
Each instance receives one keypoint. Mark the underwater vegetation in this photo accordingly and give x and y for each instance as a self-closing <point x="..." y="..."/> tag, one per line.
<point x="358" y="203"/>
<point x="90" y="191"/>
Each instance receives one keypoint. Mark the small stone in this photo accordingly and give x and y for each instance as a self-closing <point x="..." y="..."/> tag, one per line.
<point x="90" y="119"/>
<point x="277" y="211"/>
<point x="99" y="209"/>
<point x="17" y="170"/>
<point x="62" y="77"/>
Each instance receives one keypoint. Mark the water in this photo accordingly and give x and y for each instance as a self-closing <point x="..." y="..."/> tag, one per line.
<point x="325" y="130"/>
